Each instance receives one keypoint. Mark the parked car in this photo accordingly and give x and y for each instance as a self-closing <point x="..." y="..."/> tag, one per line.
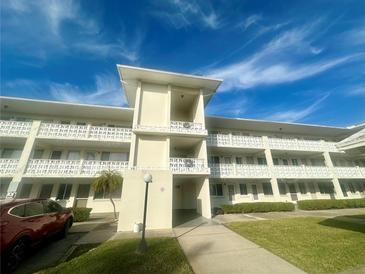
<point x="26" y="222"/>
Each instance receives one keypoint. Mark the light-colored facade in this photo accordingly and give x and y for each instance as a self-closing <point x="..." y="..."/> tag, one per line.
<point x="53" y="149"/>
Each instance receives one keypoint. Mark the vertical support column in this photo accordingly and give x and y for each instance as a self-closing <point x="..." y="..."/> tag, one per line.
<point x="71" y="201"/>
<point x="270" y="165"/>
<point x="203" y="198"/>
<point x="137" y="104"/>
<point x="15" y="184"/>
<point x="335" y="181"/>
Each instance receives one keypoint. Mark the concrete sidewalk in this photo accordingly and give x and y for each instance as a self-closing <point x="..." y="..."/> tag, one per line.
<point x="213" y="248"/>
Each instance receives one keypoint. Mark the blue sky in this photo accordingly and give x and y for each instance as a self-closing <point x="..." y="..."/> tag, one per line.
<point x="294" y="61"/>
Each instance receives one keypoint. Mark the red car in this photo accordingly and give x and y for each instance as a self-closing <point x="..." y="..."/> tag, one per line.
<point x="26" y="222"/>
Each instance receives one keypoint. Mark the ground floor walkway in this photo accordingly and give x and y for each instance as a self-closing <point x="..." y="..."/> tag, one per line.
<point x="212" y="248"/>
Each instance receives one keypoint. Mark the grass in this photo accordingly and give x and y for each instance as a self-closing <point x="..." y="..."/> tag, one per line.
<point x="164" y="255"/>
<point x="316" y="245"/>
<point x="81" y="249"/>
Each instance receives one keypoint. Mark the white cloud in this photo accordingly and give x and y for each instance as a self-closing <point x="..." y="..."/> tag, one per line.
<point x="46" y="28"/>
<point x="249" y="21"/>
<point x="357" y="90"/>
<point x="294" y="115"/>
<point x="356" y="36"/>
<point x="276" y="63"/>
<point x="107" y="91"/>
<point x="183" y="13"/>
<point x="232" y="108"/>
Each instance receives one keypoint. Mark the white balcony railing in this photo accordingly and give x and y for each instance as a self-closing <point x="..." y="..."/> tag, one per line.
<point x="53" y="130"/>
<point x="8" y="166"/>
<point x="350" y="172"/>
<point x="188" y="165"/>
<point x="227" y="140"/>
<point x="302" y="172"/>
<point x="303" y="145"/>
<point x="187" y="127"/>
<point x="177" y="127"/>
<point x="239" y="171"/>
<point x="70" y="168"/>
<point x="15" y="128"/>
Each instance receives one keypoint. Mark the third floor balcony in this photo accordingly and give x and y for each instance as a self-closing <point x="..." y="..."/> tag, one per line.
<point x="15" y="128"/>
<point x="175" y="128"/>
<point x="227" y="140"/>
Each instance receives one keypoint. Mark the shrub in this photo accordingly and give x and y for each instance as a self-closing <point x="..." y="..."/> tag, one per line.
<point x="330" y="204"/>
<point x="257" y="207"/>
<point x="81" y="214"/>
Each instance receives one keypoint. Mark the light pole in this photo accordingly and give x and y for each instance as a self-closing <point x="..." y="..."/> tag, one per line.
<point x="142" y="247"/>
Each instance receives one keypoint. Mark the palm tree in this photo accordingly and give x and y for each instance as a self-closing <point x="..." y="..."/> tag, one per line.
<point x="107" y="182"/>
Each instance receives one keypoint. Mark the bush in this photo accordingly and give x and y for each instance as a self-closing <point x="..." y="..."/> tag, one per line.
<point x="257" y="207"/>
<point x="81" y="214"/>
<point x="330" y="204"/>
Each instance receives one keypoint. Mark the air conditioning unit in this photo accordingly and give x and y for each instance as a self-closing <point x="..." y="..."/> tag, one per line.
<point x="189" y="163"/>
<point x="186" y="125"/>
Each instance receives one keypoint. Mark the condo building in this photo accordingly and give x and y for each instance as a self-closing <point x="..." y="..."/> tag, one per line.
<point x="197" y="162"/>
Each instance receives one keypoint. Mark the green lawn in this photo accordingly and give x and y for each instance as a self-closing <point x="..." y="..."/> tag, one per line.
<point x="163" y="256"/>
<point x="316" y="245"/>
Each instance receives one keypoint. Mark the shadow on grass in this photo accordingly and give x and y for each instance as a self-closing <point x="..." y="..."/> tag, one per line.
<point x="354" y="223"/>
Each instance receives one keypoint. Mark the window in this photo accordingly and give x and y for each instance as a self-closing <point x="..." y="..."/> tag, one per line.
<point x="303" y="161"/>
<point x="90" y="155"/>
<point x="33" y="209"/>
<point x="56" y="155"/>
<point x="38" y="153"/>
<point x="239" y="160"/>
<point x="18" y="211"/>
<point x="302" y="188"/>
<point x="325" y="188"/>
<point x="243" y="189"/>
<point x="83" y="191"/>
<point x="285" y="162"/>
<point x="214" y="159"/>
<point x="46" y="191"/>
<point x="73" y="155"/>
<point x="105" y="156"/>
<point x="216" y="190"/>
<point x="267" y="188"/>
<point x="118" y="156"/>
<point x="104" y="195"/>
<point x="351" y="187"/>
<point x="294" y="162"/>
<point x="64" y="192"/>
<point x="261" y="161"/>
<point x="81" y="123"/>
<point x="51" y="206"/>
<point x="250" y="160"/>
<point x="25" y="190"/>
<point x="9" y="153"/>
<point x="3" y="189"/>
<point x="65" y="122"/>
<point x="282" y="188"/>
<point x="227" y="160"/>
<point x="276" y="161"/>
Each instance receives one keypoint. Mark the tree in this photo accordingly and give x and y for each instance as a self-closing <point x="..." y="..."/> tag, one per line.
<point x="108" y="181"/>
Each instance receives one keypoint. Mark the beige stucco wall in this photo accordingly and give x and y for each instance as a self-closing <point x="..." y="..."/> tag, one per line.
<point x="159" y="211"/>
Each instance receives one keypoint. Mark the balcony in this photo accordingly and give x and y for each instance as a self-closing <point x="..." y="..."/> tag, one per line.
<point x="303" y="172"/>
<point x="71" y="168"/>
<point x="8" y="167"/>
<point x="350" y="172"/>
<point x="83" y="132"/>
<point x="301" y="145"/>
<point x="226" y="140"/>
<point x="15" y="128"/>
<point x="188" y="166"/>
<point x="176" y="127"/>
<point x="239" y="171"/>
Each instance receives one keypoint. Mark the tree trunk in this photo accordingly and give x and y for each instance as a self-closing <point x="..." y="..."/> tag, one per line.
<point x="115" y="213"/>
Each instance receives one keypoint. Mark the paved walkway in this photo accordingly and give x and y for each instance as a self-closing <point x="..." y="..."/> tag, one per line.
<point x="213" y="248"/>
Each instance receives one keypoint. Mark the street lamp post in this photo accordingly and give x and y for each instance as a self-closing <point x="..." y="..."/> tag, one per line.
<point x="142" y="247"/>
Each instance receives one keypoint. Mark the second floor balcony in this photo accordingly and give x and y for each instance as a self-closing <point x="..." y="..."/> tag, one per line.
<point x="301" y="145"/>
<point x="15" y="128"/>
<point x="85" y="132"/>
<point x="302" y="172"/>
<point x="71" y="168"/>
<point x="350" y="172"/>
<point x="176" y="127"/>
<point x="188" y="166"/>
<point x="8" y="167"/>
<point x="239" y="171"/>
